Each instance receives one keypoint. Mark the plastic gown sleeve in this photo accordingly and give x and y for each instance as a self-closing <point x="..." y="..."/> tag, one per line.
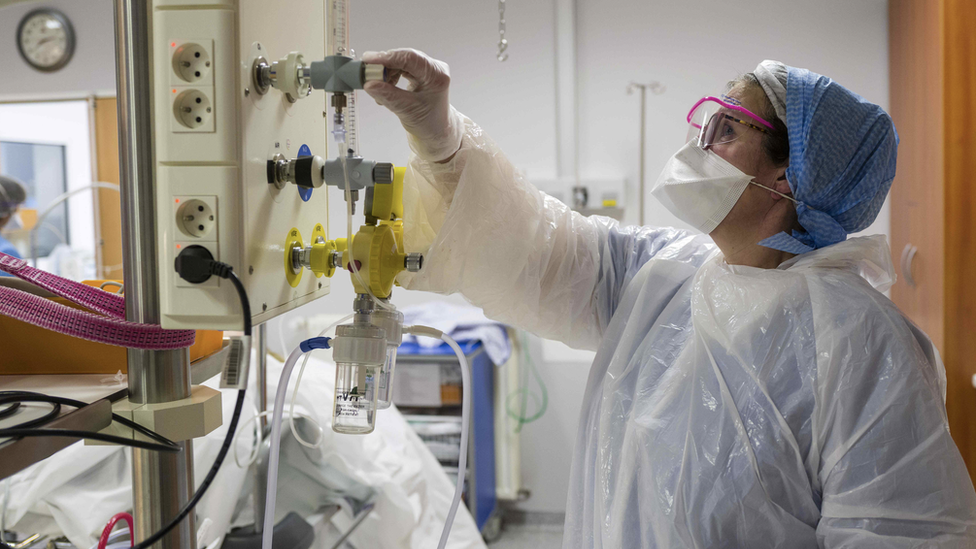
<point x="521" y="255"/>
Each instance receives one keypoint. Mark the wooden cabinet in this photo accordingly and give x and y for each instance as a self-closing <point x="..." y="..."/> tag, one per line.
<point x="932" y="56"/>
<point x="108" y="206"/>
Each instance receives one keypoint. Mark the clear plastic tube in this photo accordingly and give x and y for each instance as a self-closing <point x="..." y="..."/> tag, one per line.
<point x="279" y="408"/>
<point x="465" y="421"/>
<point x="259" y="436"/>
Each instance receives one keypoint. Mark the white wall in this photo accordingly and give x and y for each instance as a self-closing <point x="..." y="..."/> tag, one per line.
<point x="92" y="69"/>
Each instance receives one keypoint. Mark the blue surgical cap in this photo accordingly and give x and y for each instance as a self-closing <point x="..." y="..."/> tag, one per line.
<point x="842" y="161"/>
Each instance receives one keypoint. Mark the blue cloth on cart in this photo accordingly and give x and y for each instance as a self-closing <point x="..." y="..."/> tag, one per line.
<point x="463" y="323"/>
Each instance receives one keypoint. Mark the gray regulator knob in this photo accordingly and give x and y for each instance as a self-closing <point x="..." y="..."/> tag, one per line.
<point x="383" y="173"/>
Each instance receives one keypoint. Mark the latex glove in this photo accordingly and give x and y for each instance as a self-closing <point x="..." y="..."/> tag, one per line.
<point x="424" y="108"/>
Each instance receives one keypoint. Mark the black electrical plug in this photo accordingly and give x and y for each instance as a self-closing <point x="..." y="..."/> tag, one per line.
<point x="195" y="264"/>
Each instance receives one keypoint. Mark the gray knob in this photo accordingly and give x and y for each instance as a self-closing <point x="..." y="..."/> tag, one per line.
<point x="383" y="173"/>
<point x="414" y="262"/>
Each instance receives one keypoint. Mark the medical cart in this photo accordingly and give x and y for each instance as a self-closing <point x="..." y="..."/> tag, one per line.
<point x="427" y="389"/>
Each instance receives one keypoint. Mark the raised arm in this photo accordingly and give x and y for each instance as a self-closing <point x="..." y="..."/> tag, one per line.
<point x="521" y="255"/>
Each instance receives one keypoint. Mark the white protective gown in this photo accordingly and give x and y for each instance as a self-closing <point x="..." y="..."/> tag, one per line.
<point x="727" y="406"/>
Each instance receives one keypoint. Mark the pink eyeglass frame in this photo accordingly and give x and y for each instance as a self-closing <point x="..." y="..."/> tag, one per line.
<point x="728" y="106"/>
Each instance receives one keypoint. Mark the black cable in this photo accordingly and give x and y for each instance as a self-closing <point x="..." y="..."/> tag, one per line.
<point x="9" y="410"/>
<point x="52" y="414"/>
<point x="89" y="435"/>
<point x="222" y="270"/>
<point x="38" y="397"/>
<point x="163" y="444"/>
<point x="196" y="264"/>
<point x="245" y="303"/>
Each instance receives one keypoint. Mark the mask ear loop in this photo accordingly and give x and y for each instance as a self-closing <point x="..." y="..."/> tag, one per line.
<point x="790" y="198"/>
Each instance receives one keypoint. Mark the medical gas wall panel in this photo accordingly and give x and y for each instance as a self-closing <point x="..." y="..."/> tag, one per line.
<point x="214" y="136"/>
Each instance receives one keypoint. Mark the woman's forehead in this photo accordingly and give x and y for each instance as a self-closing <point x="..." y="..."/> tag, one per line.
<point x="745" y="93"/>
<point x="747" y="97"/>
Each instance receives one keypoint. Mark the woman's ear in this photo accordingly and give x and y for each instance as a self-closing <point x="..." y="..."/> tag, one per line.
<point x="780" y="184"/>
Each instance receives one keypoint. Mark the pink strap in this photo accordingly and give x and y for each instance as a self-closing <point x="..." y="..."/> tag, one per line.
<point x="111" y="329"/>
<point x="87" y="296"/>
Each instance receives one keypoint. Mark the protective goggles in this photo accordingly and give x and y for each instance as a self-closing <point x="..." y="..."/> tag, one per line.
<point x="713" y="121"/>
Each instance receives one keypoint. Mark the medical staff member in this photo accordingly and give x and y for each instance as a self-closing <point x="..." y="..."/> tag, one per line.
<point x="752" y="386"/>
<point x="12" y="195"/>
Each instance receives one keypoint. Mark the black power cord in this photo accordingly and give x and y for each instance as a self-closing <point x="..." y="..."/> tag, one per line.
<point x="163" y="444"/>
<point x="15" y="405"/>
<point x="196" y="264"/>
<point x="9" y="410"/>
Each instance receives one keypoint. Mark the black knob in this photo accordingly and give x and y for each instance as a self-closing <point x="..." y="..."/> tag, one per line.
<point x="303" y="172"/>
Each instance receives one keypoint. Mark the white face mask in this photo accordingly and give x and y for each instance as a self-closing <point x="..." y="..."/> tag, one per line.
<point x="700" y="187"/>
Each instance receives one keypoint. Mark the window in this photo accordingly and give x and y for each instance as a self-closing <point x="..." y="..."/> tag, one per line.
<point x="41" y="168"/>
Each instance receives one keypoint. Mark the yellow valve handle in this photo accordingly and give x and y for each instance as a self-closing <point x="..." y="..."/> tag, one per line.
<point x="388" y="199"/>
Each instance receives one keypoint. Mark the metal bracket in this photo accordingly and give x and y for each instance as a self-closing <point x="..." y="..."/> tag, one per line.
<point x="178" y="420"/>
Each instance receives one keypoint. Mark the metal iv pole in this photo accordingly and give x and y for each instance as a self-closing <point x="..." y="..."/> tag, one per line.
<point x="161" y="483"/>
<point x="657" y="89"/>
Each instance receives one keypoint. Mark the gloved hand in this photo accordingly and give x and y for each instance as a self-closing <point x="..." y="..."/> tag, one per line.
<point x="424" y="108"/>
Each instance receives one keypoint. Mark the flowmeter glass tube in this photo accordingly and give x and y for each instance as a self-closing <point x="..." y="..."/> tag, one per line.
<point x="345" y="127"/>
<point x="352" y="126"/>
<point x="339" y="31"/>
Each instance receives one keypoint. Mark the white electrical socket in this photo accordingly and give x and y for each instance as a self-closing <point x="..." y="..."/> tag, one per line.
<point x="193" y="62"/>
<point x="196" y="218"/>
<point x="193" y="111"/>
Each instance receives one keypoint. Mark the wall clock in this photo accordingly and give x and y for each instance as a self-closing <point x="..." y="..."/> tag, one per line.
<point x="46" y="39"/>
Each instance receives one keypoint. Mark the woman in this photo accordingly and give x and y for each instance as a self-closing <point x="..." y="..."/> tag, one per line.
<point x="752" y="387"/>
